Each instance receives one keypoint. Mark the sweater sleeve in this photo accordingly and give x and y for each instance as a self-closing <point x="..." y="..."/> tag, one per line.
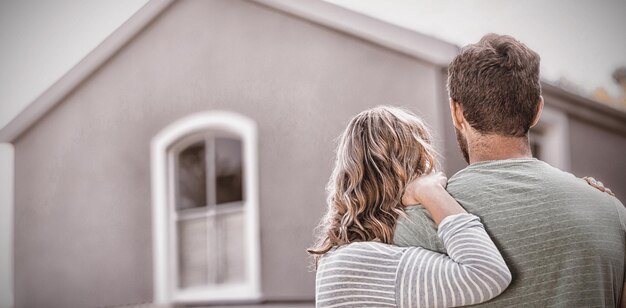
<point x="472" y="272"/>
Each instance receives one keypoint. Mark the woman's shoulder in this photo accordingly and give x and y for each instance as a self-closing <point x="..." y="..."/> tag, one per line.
<point x="370" y="250"/>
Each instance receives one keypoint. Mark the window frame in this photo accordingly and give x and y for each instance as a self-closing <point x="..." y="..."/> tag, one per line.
<point x="163" y="166"/>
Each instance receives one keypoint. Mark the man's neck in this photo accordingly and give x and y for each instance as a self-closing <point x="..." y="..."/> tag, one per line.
<point x="496" y="147"/>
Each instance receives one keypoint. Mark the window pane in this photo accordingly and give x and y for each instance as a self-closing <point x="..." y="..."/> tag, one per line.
<point x="232" y="252"/>
<point x="192" y="252"/>
<point x="228" y="170"/>
<point x="212" y="251"/>
<point x="192" y="177"/>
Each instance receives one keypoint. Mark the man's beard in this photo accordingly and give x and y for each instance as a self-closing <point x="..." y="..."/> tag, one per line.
<point x="462" y="141"/>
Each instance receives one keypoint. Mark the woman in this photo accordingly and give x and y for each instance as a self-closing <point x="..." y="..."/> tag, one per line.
<point x="385" y="160"/>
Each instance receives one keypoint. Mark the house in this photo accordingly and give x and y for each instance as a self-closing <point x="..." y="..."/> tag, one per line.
<point x="184" y="160"/>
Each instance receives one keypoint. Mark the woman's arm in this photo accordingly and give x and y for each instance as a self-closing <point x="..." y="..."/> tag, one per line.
<point x="472" y="272"/>
<point x="430" y="192"/>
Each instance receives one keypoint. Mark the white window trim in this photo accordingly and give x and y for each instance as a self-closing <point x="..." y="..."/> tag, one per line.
<point x="553" y="127"/>
<point x="162" y="198"/>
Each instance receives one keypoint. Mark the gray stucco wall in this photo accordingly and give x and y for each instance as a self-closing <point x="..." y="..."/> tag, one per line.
<point x="449" y="149"/>
<point x="599" y="152"/>
<point x="82" y="199"/>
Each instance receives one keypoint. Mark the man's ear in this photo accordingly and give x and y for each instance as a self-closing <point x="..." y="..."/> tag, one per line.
<point x="538" y="111"/>
<point x="457" y="114"/>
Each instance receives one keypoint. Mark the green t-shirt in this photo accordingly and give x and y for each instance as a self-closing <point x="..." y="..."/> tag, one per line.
<point x="563" y="240"/>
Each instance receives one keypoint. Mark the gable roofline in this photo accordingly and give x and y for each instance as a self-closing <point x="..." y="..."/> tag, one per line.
<point x="407" y="42"/>
<point x="402" y="40"/>
<point x="81" y="71"/>
<point x="326" y="14"/>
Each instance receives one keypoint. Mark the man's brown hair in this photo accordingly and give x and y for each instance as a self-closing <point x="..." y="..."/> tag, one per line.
<point x="496" y="83"/>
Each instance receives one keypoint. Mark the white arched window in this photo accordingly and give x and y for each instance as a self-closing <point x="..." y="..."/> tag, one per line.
<point x="205" y="210"/>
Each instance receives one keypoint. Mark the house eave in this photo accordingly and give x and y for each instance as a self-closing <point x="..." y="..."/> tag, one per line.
<point x="81" y="71"/>
<point x="410" y="43"/>
<point x="329" y="15"/>
<point x="402" y="40"/>
<point x="585" y="108"/>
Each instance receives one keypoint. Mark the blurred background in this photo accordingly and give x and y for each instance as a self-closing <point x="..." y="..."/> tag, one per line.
<point x="109" y="119"/>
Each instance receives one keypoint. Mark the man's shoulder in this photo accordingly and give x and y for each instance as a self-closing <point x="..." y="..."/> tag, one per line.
<point x="621" y="212"/>
<point x="509" y="173"/>
<point x="530" y="189"/>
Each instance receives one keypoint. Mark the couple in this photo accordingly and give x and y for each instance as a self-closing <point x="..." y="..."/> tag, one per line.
<point x="397" y="233"/>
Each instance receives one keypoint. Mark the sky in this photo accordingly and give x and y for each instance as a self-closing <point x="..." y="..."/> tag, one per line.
<point x="42" y="40"/>
<point x="580" y="40"/>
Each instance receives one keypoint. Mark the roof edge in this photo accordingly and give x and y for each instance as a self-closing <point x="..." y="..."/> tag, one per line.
<point x="326" y="14"/>
<point x="396" y="38"/>
<point x="409" y="42"/>
<point x="81" y="71"/>
<point x="585" y="108"/>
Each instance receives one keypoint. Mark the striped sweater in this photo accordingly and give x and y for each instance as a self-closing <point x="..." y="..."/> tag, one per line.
<point x="372" y="274"/>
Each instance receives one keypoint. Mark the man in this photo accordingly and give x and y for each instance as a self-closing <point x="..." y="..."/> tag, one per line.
<point x="563" y="240"/>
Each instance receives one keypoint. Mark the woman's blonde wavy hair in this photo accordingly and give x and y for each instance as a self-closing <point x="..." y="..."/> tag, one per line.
<point x="381" y="150"/>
